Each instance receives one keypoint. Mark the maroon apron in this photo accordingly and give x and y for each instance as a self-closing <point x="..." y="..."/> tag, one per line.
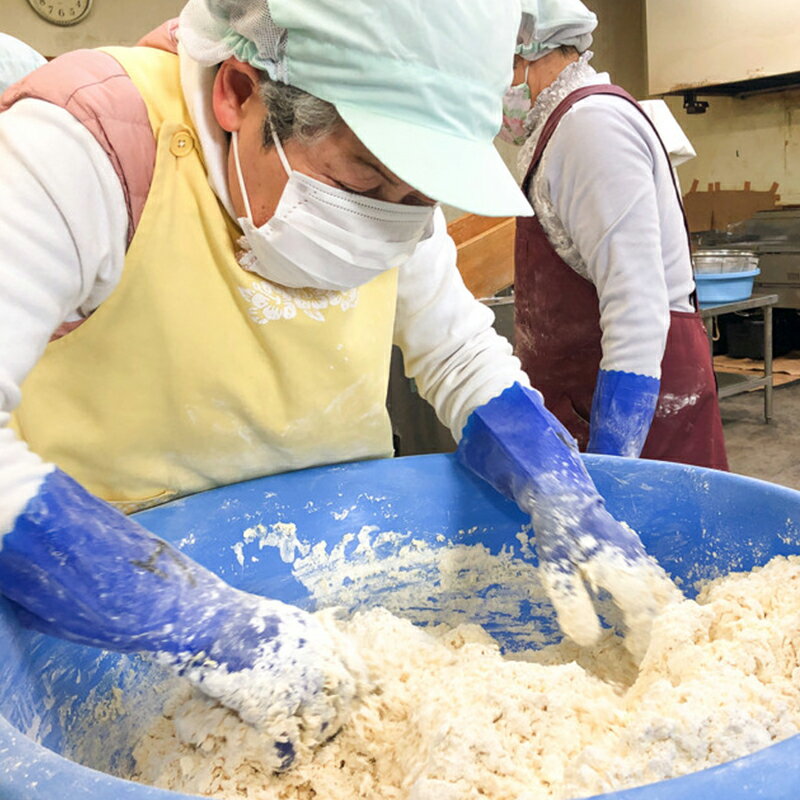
<point x="558" y="340"/>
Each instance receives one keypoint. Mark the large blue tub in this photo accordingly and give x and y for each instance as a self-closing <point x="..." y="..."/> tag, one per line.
<point x="698" y="523"/>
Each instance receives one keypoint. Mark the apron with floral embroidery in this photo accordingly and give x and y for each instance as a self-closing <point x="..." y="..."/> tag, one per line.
<point x="196" y="373"/>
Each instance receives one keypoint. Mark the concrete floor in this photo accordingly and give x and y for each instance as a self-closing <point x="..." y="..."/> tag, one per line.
<point x="769" y="452"/>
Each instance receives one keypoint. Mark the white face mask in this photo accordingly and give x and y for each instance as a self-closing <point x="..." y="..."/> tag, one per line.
<point x="321" y="237"/>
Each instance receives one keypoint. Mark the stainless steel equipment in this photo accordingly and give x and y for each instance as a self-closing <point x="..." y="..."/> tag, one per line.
<point x="774" y="236"/>
<point x="715" y="262"/>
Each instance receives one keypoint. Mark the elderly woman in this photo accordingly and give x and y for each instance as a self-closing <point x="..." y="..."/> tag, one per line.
<point x="606" y="326"/>
<point x="237" y="223"/>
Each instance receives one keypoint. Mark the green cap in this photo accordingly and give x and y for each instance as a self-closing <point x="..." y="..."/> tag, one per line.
<point x="420" y="82"/>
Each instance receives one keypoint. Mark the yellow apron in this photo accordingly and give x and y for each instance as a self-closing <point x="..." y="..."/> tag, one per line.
<point x="195" y="373"/>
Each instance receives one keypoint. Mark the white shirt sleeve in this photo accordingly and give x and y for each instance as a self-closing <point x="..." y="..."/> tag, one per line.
<point x="449" y="346"/>
<point x="616" y="200"/>
<point x="63" y="227"/>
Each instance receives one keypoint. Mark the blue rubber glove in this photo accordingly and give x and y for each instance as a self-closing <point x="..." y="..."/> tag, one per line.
<point x="622" y="411"/>
<point x="80" y="570"/>
<point x="525" y="453"/>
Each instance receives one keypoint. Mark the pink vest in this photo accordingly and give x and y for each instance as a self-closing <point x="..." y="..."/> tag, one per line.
<point x="95" y="89"/>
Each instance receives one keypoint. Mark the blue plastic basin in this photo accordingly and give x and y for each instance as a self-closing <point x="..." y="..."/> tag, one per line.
<point x="698" y="523"/>
<point x="715" y="288"/>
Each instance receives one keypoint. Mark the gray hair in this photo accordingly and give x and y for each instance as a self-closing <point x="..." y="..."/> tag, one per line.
<point x="295" y="113"/>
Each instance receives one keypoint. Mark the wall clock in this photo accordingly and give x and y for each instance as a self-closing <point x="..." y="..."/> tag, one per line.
<point x="62" y="12"/>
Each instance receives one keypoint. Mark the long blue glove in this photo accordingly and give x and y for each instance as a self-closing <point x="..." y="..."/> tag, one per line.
<point x="80" y="570"/>
<point x="525" y="453"/>
<point x="622" y="411"/>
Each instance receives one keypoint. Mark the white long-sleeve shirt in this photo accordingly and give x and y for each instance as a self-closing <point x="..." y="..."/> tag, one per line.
<point x="605" y="196"/>
<point x="63" y="227"/>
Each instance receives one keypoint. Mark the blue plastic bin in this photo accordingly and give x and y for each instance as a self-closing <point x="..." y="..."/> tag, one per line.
<point x="713" y="288"/>
<point x="697" y="522"/>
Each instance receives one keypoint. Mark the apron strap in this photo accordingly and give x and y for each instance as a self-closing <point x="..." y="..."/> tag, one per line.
<point x="564" y="106"/>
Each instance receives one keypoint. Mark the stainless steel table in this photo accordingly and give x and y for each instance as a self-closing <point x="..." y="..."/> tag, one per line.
<point x="729" y="384"/>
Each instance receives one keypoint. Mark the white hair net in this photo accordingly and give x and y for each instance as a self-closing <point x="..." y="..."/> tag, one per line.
<point x="17" y="59"/>
<point x="549" y="24"/>
<point x="214" y="30"/>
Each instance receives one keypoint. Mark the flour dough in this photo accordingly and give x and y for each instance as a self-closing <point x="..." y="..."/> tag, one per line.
<point x="452" y="719"/>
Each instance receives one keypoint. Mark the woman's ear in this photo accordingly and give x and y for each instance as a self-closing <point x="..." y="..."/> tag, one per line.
<point x="235" y="93"/>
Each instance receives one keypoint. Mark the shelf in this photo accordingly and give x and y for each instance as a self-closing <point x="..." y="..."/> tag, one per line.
<point x="746" y="88"/>
<point x="729" y="384"/>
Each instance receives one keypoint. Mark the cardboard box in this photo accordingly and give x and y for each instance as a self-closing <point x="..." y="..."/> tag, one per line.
<point x="716" y="209"/>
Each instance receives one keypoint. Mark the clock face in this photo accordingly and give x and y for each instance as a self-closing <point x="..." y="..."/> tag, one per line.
<point x="61" y="12"/>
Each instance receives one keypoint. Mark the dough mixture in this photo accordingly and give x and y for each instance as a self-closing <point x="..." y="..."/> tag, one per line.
<point x="452" y="719"/>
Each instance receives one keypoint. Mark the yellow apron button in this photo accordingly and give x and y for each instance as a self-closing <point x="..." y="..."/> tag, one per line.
<point x="182" y="144"/>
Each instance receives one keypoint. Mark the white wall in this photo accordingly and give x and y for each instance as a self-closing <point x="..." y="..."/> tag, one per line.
<point x="619" y="43"/>
<point x="755" y="139"/>
<point x="110" y="22"/>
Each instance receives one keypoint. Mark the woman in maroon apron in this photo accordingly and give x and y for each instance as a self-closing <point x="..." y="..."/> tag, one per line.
<point x="606" y="323"/>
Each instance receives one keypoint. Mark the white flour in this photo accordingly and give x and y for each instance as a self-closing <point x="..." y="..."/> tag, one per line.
<point x="452" y="719"/>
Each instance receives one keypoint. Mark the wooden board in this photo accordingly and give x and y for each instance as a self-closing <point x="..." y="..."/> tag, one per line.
<point x="785" y="369"/>
<point x="485" y="247"/>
